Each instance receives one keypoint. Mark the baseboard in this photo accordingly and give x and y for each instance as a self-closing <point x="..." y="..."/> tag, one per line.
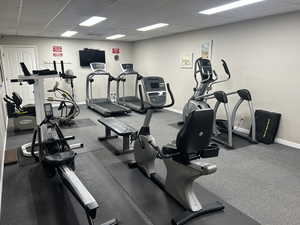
<point x="277" y="140"/>
<point x="246" y="131"/>
<point x="81" y="103"/>
<point x="175" y="110"/>
<point x="287" y="143"/>
<point x="78" y="103"/>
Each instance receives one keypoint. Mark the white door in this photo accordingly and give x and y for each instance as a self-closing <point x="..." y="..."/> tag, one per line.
<point x="12" y="56"/>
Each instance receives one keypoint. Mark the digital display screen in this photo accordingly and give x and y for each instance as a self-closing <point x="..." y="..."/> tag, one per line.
<point x="48" y="110"/>
<point x="88" y="56"/>
<point x="154" y="85"/>
<point x="127" y="67"/>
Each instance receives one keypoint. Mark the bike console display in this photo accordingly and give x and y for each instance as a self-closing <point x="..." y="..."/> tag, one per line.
<point x="48" y="110"/>
<point x="155" y="90"/>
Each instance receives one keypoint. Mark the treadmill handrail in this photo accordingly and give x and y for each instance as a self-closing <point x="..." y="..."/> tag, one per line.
<point x="121" y="78"/>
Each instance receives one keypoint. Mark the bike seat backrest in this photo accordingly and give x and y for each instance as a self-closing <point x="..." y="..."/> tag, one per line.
<point x="195" y="135"/>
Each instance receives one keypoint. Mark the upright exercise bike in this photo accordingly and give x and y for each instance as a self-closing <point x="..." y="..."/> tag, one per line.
<point x="181" y="158"/>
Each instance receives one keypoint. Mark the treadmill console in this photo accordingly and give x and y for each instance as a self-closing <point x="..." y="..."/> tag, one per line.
<point x="127" y="67"/>
<point x="155" y="90"/>
<point x="98" y="67"/>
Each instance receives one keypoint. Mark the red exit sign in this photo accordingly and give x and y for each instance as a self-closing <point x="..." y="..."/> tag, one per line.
<point x="116" y="51"/>
<point x="56" y="48"/>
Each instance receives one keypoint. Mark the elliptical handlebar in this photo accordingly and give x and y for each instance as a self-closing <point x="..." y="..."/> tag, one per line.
<point x="141" y="96"/>
<point x="171" y="95"/>
<point x="225" y="79"/>
<point x="226" y="68"/>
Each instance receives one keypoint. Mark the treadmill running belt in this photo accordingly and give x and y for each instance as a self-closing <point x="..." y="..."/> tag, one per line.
<point x="111" y="107"/>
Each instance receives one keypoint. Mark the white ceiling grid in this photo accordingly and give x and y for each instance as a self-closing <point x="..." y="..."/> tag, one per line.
<point x="50" y="18"/>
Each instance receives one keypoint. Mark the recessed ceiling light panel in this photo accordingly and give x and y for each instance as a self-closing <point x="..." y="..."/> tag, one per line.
<point x="69" y="33"/>
<point x="92" y="21"/>
<point x="116" y="36"/>
<point x="152" y="27"/>
<point x="229" y="6"/>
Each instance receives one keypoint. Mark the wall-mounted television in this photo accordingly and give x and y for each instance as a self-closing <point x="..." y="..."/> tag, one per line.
<point x="88" y="56"/>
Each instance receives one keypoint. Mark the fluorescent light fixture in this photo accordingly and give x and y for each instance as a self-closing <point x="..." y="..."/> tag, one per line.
<point x="92" y="21"/>
<point x="116" y="36"/>
<point x="152" y="27"/>
<point x="229" y="6"/>
<point x="69" y="33"/>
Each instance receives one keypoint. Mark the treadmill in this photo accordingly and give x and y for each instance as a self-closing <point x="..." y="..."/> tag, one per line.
<point x="132" y="102"/>
<point x="104" y="106"/>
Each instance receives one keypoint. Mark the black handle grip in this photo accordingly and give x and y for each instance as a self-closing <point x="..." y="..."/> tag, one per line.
<point x="14" y="80"/>
<point x="141" y="97"/>
<point x="216" y="76"/>
<point x="226" y="68"/>
<point x="171" y="95"/>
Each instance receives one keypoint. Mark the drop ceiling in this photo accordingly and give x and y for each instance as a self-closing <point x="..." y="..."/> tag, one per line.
<point x="50" y="18"/>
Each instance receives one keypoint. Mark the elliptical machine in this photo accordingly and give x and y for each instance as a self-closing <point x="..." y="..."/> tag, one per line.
<point x="56" y="157"/>
<point x="209" y="77"/>
<point x="181" y="158"/>
<point x="24" y="116"/>
<point x="67" y="105"/>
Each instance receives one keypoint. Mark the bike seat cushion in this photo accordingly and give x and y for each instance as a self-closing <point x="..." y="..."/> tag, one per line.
<point x="60" y="158"/>
<point x="170" y="149"/>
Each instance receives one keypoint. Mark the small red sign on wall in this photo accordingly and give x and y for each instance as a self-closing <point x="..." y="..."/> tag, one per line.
<point x="56" y="54"/>
<point x="116" y="51"/>
<point x="57" y="50"/>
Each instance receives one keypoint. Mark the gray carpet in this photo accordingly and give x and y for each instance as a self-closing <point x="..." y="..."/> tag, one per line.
<point x="261" y="181"/>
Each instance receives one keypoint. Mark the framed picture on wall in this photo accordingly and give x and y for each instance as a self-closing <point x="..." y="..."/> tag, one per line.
<point x="186" y="61"/>
<point x="206" y="49"/>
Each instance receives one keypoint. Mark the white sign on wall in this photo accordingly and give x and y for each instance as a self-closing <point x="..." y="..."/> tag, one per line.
<point x="186" y="61"/>
<point x="206" y="49"/>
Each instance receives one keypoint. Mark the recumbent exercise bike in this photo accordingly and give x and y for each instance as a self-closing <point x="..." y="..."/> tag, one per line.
<point x="182" y="157"/>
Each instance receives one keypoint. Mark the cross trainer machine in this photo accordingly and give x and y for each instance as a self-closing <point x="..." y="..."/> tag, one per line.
<point x="209" y="77"/>
<point x="132" y="102"/>
<point x="181" y="158"/>
<point x="105" y="106"/>
<point x="23" y="115"/>
<point x="67" y="105"/>
<point x="56" y="157"/>
<point x="227" y="126"/>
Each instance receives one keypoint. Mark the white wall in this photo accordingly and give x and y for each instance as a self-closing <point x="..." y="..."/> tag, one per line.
<point x="3" y="127"/>
<point x="71" y="49"/>
<point x="262" y="54"/>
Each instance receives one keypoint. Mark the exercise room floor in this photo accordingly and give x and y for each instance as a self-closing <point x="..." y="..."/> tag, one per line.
<point x="259" y="180"/>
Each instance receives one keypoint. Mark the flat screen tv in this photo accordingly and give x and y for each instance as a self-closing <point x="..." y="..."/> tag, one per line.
<point x="88" y="56"/>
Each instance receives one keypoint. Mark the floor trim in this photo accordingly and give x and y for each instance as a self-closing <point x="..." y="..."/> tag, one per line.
<point x="243" y="130"/>
<point x="78" y="103"/>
